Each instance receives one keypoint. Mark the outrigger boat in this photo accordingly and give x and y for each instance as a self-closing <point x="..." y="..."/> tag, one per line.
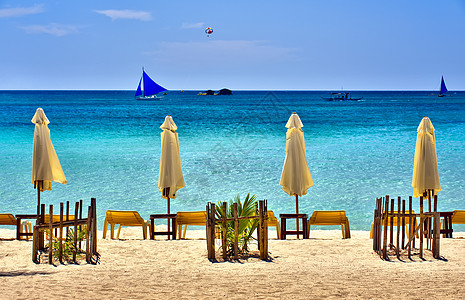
<point x="341" y="96"/>
<point x="148" y="89"/>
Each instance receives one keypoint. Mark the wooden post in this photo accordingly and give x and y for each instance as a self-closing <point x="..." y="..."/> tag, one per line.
<point x="421" y="227"/>
<point x="403" y="224"/>
<point x="80" y="217"/>
<point x="41" y="233"/>
<point x="88" y="236"/>
<point x="35" y="244"/>
<point x="50" y="236"/>
<point x="60" y="242"/>
<point x="213" y="229"/>
<point x="398" y="229"/>
<point x="67" y="217"/>
<point x="261" y="226"/>
<point x="76" y="211"/>
<point x="93" y="202"/>
<point x="411" y="227"/>
<point x="385" y="224"/>
<point x="265" y="214"/>
<point x="391" y="214"/>
<point x="236" y="232"/>
<point x="437" y="230"/>
<point x="224" y="241"/>
<point x="208" y="230"/>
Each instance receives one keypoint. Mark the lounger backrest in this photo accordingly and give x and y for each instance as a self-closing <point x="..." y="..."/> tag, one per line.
<point x="56" y="218"/>
<point x="272" y="220"/>
<point x="123" y="217"/>
<point x="458" y="217"/>
<point x="395" y="218"/>
<point x="191" y="217"/>
<point x="328" y="217"/>
<point x="7" y="219"/>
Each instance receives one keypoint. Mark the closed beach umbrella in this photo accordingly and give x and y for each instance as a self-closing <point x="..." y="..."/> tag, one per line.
<point x="296" y="177"/>
<point x="425" y="164"/>
<point x="170" y="178"/>
<point x="45" y="164"/>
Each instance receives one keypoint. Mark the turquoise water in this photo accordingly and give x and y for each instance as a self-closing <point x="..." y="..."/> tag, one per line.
<point x="109" y="147"/>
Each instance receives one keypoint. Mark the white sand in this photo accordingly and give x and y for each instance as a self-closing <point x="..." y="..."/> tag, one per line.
<point x="324" y="266"/>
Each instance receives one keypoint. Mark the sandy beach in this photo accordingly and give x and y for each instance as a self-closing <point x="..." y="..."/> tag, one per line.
<point x="325" y="266"/>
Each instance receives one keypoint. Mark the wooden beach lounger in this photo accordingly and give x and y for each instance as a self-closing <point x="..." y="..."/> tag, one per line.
<point x="9" y="219"/>
<point x="331" y="217"/>
<point x="196" y="218"/>
<point x="123" y="218"/>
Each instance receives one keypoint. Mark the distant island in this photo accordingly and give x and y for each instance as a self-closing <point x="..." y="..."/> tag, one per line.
<point x="212" y="93"/>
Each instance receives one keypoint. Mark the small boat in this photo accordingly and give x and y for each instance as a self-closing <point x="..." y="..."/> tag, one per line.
<point x="341" y="96"/>
<point x="148" y="89"/>
<point x="443" y="89"/>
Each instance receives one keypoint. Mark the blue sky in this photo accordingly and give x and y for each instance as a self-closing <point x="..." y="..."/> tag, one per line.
<point x="266" y="45"/>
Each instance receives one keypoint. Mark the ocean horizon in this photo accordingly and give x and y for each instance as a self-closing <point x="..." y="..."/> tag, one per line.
<point x="109" y="148"/>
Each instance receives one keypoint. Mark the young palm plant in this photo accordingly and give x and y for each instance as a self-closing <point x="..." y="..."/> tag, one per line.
<point x="246" y="227"/>
<point x="68" y="244"/>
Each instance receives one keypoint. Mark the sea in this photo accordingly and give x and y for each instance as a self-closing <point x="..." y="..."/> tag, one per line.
<point x="108" y="145"/>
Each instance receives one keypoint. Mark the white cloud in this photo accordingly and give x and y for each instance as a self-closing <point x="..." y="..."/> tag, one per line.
<point x="126" y="14"/>
<point x="52" y="29"/>
<point x="20" y="11"/>
<point x="192" y="25"/>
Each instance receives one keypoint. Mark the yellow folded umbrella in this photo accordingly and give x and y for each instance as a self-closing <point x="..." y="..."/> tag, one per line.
<point x="45" y="164"/>
<point x="425" y="164"/>
<point x="170" y="178"/>
<point x="295" y="177"/>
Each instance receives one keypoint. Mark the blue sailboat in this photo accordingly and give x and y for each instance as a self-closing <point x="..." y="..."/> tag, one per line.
<point x="148" y="89"/>
<point x="443" y="89"/>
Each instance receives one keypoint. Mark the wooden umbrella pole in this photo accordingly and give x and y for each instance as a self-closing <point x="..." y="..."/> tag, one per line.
<point x="169" y="237"/>
<point x="37" y="184"/>
<point x="297" y="211"/>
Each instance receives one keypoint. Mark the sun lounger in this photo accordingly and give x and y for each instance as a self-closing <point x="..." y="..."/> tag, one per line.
<point x="9" y="219"/>
<point x="331" y="217"/>
<point x="123" y="218"/>
<point x="184" y="218"/>
<point x="458" y="217"/>
<point x="395" y="224"/>
<point x="273" y="221"/>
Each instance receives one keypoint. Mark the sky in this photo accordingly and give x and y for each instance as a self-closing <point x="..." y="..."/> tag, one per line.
<point x="255" y="45"/>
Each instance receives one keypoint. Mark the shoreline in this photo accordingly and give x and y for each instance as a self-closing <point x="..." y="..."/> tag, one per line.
<point x="324" y="266"/>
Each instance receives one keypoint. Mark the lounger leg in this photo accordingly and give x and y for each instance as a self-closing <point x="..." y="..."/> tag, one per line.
<point x="119" y="230"/>
<point x="179" y="231"/>
<point x="343" y="232"/>
<point x="112" y="231"/>
<point x="184" y="232"/>
<point x="144" y="230"/>
<point x="105" y="227"/>
<point x="278" y="230"/>
<point x="347" y="230"/>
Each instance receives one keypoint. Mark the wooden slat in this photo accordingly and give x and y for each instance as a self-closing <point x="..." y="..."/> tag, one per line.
<point x="60" y="241"/>
<point x="224" y="237"/>
<point x="236" y="232"/>
<point x="50" y="237"/>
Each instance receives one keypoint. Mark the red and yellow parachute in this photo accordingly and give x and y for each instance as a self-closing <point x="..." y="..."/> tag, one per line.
<point x="208" y="31"/>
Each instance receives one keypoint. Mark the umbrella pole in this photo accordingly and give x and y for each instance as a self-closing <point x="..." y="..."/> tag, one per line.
<point x="168" y="213"/>
<point x="297" y="211"/>
<point x="37" y="185"/>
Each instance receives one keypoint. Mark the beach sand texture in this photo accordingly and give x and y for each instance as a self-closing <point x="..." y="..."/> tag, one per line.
<point x="323" y="267"/>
